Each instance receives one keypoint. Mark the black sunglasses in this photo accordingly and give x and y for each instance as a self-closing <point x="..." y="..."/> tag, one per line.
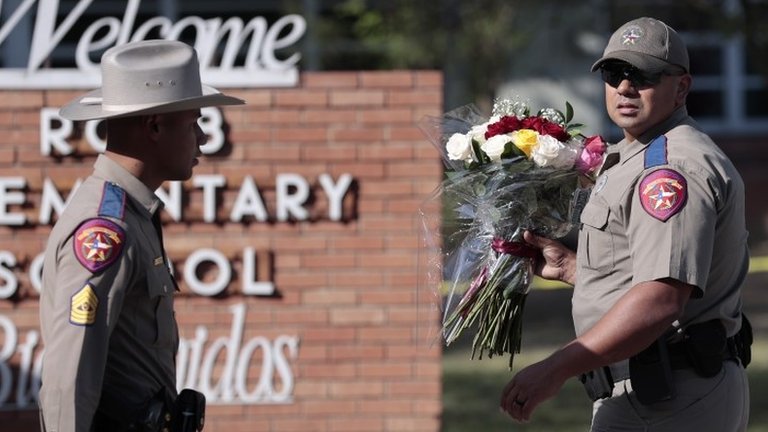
<point x="613" y="75"/>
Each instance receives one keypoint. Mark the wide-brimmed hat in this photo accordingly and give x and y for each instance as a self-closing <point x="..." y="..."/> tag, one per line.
<point x="147" y="77"/>
<point x="647" y="44"/>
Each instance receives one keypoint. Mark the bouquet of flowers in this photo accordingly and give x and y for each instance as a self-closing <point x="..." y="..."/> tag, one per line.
<point x="505" y="175"/>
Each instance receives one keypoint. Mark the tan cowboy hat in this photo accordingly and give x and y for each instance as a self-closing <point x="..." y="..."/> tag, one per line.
<point x="147" y="77"/>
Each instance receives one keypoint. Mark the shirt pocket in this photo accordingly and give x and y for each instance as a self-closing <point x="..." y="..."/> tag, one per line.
<point x="598" y="245"/>
<point x="161" y="289"/>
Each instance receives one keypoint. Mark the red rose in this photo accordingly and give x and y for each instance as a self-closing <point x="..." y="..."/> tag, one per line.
<point x="554" y="130"/>
<point x="505" y="125"/>
<point x="546" y="127"/>
<point x="532" y="123"/>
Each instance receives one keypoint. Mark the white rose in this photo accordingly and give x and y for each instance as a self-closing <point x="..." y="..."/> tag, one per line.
<point x="551" y="152"/>
<point x="477" y="133"/>
<point x="459" y="147"/>
<point x="494" y="147"/>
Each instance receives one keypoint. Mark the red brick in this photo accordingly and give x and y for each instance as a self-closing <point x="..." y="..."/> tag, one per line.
<point x="357" y="352"/>
<point x="355" y="279"/>
<point x="386" y="370"/>
<point x="328" y="335"/>
<point x="329" y="407"/>
<point x="348" y="98"/>
<point x="358" y="388"/>
<point x="344" y="316"/>
<point x="329" y="260"/>
<point x="390" y="152"/>
<point x="15" y="99"/>
<point x="356" y="134"/>
<point x="329" y="116"/>
<point x="356" y="424"/>
<point x="271" y="116"/>
<point x="429" y="79"/>
<point x="301" y="134"/>
<point x="301" y="97"/>
<point x="386" y="116"/>
<point x="337" y="152"/>
<point x="386" y="79"/>
<point x="329" y="296"/>
<point x="325" y="370"/>
<point x="412" y="424"/>
<point x="418" y="97"/>
<point x="386" y="407"/>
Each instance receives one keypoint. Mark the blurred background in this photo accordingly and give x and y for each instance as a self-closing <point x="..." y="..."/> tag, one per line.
<point x="541" y="51"/>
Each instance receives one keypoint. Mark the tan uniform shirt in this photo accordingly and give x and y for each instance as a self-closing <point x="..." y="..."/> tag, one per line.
<point x="691" y="227"/>
<point x="106" y="307"/>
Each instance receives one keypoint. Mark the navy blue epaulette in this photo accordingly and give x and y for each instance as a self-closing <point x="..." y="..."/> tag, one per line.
<point x="656" y="152"/>
<point x="112" y="201"/>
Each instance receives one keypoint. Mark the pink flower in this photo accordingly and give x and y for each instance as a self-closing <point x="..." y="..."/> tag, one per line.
<point x="591" y="156"/>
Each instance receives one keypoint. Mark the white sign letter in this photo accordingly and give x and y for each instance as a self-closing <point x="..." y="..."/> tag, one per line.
<point x="291" y="203"/>
<point x="171" y="199"/>
<point x="8" y="198"/>
<point x="249" y="284"/>
<point x="209" y="183"/>
<point x="54" y="138"/>
<point x="211" y="288"/>
<point x="7" y="261"/>
<point x="51" y="201"/>
<point x="248" y="202"/>
<point x="335" y="193"/>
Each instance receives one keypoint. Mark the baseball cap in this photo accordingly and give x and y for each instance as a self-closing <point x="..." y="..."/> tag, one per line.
<point x="647" y="44"/>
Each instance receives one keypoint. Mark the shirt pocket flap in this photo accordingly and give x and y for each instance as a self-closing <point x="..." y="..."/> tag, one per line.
<point x="159" y="283"/>
<point x="595" y="216"/>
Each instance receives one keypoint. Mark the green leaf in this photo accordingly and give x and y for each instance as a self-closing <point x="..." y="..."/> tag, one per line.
<point x="511" y="150"/>
<point x="479" y="154"/>
<point x="568" y="112"/>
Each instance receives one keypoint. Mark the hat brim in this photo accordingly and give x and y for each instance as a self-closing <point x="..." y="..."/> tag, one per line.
<point x="84" y="107"/>
<point x="644" y="62"/>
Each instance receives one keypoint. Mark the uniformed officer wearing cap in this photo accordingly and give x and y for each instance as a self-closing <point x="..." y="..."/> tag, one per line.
<point x="106" y="307"/>
<point x="662" y="254"/>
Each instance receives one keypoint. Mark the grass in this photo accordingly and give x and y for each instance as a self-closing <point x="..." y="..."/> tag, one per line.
<point x="471" y="388"/>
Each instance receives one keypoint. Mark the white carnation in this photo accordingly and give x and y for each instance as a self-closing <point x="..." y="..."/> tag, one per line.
<point x="459" y="147"/>
<point x="552" y="153"/>
<point x="494" y="147"/>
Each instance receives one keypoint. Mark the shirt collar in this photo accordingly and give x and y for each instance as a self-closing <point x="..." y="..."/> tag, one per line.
<point x="112" y="171"/>
<point x="628" y="149"/>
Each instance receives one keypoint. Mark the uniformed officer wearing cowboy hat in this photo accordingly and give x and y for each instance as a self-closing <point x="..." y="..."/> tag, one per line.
<point x="662" y="255"/>
<point x="106" y="306"/>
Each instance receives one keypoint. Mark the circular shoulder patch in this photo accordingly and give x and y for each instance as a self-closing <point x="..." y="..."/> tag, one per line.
<point x="98" y="243"/>
<point x="663" y="193"/>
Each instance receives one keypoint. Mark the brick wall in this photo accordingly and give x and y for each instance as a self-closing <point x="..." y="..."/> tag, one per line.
<point x="346" y="289"/>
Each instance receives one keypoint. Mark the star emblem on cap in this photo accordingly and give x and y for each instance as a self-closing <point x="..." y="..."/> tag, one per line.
<point x="631" y="35"/>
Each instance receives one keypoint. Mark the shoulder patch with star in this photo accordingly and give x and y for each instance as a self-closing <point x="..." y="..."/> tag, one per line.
<point x="663" y="193"/>
<point x="98" y="243"/>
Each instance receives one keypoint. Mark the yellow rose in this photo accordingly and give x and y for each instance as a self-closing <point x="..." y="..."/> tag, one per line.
<point x="526" y="140"/>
